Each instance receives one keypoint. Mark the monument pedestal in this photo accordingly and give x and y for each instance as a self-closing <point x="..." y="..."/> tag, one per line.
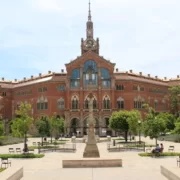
<point x="91" y="149"/>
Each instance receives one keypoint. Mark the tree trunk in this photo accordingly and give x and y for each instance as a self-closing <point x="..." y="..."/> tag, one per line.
<point x="51" y="138"/>
<point x="42" y="140"/>
<point x="126" y="134"/>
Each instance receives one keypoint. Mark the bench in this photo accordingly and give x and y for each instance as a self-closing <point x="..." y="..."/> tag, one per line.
<point x="171" y="149"/>
<point x="11" y="150"/>
<point x="18" y="150"/>
<point x="31" y="151"/>
<point x="156" y="153"/>
<point x="149" y="149"/>
<point x="6" y="162"/>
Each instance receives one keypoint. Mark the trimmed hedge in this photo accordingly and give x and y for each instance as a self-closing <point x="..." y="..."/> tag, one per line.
<point x="2" y="169"/>
<point x="161" y="154"/>
<point x="41" y="147"/>
<point x="30" y="155"/>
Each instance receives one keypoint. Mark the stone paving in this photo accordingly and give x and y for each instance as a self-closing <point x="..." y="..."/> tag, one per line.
<point x="134" y="166"/>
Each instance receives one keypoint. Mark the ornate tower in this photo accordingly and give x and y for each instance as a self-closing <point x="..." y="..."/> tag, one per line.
<point x="89" y="44"/>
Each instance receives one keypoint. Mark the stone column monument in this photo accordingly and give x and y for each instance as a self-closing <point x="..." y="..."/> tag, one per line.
<point x="91" y="149"/>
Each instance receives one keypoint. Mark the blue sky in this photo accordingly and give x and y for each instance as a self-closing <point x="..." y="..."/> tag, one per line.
<point x="41" y="35"/>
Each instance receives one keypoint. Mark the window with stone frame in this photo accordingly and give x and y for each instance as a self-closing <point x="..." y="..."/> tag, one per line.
<point x="42" y="89"/>
<point x="60" y="88"/>
<point x="3" y="93"/>
<point x="90" y="73"/>
<point x="135" y="88"/>
<point x="75" y="102"/>
<point x="141" y="88"/>
<point x="105" y="78"/>
<point x="163" y="105"/>
<point x="120" y="103"/>
<point x="138" y="102"/>
<point x="106" y="102"/>
<point x="86" y="103"/>
<point x="120" y="87"/>
<point x="42" y="103"/>
<point x="61" y="104"/>
<point x="155" y="104"/>
<point x="75" y="78"/>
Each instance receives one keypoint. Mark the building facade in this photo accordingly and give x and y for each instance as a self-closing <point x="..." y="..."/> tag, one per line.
<point x="66" y="93"/>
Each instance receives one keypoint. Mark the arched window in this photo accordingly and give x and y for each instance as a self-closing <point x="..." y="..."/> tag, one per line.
<point x="105" y="77"/>
<point x="42" y="103"/>
<point x="120" y="103"/>
<point x="106" y="102"/>
<point x="60" y="103"/>
<point x="138" y="102"/>
<point x="155" y="104"/>
<point x="163" y="105"/>
<point x="75" y="102"/>
<point x="90" y="73"/>
<point x="94" y="104"/>
<point x="75" y="78"/>
<point x="86" y="103"/>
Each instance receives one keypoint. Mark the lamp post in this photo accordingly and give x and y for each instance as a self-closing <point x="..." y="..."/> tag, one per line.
<point x="139" y="123"/>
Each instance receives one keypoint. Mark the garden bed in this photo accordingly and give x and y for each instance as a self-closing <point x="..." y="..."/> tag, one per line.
<point x="30" y="155"/>
<point x="161" y="154"/>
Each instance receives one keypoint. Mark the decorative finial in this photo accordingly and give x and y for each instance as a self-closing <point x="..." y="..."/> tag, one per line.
<point x="89" y="16"/>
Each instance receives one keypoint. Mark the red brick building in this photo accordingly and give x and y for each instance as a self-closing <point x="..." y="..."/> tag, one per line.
<point x="67" y="93"/>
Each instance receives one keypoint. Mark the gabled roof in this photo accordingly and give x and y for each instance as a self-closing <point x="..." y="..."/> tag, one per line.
<point x="93" y="55"/>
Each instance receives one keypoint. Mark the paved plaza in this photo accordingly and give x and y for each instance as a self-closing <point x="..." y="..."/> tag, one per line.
<point x="134" y="166"/>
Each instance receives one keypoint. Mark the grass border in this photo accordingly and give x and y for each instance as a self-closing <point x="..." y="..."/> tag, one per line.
<point x="161" y="154"/>
<point x="30" y="155"/>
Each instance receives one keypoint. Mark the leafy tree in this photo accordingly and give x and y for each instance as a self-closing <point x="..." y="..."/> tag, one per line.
<point x="1" y="128"/>
<point x="119" y="122"/>
<point x="169" y="120"/>
<point x="43" y="127"/>
<point x="20" y="125"/>
<point x="133" y="121"/>
<point x="57" y="126"/>
<point x="177" y="128"/>
<point x="174" y="99"/>
<point x="125" y="121"/>
<point x="153" y="124"/>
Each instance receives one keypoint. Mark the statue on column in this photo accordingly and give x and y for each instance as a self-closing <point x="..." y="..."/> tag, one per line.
<point x="91" y="149"/>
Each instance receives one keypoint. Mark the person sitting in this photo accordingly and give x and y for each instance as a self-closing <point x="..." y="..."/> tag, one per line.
<point x="161" y="148"/>
<point x="156" y="149"/>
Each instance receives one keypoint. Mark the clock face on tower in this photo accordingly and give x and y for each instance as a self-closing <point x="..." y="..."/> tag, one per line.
<point x="89" y="43"/>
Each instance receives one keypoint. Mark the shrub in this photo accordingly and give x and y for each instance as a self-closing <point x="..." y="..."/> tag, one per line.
<point x="41" y="147"/>
<point x="6" y="140"/>
<point x="161" y="154"/>
<point x="30" y="155"/>
<point x="2" y="169"/>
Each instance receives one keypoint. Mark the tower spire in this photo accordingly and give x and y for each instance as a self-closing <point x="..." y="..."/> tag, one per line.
<point x="89" y="15"/>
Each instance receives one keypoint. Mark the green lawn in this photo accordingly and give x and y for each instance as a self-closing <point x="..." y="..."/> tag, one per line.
<point x="21" y="155"/>
<point x="161" y="154"/>
<point x="2" y="169"/>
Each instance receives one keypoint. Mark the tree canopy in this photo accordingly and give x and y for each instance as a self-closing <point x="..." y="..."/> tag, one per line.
<point x="125" y="121"/>
<point x="21" y="123"/>
<point x="174" y="97"/>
